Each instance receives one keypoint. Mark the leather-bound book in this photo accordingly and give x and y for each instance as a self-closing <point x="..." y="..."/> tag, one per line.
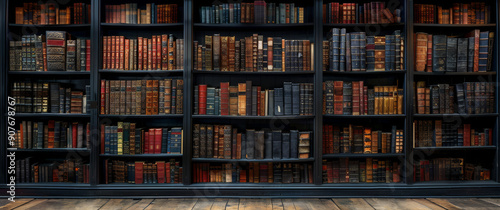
<point x="451" y="54"/>
<point x="439" y="53"/>
<point x="421" y="52"/>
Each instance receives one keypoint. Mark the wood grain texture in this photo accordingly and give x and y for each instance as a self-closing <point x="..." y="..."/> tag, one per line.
<point x="19" y="202"/>
<point x="277" y="204"/>
<point x="427" y="203"/>
<point x="471" y="203"/>
<point x="219" y="203"/>
<point x="203" y="204"/>
<point x="495" y="201"/>
<point x="394" y="203"/>
<point x="117" y="204"/>
<point x="355" y="203"/>
<point x="173" y="203"/>
<point x="256" y="204"/>
<point x="288" y="203"/>
<point x="233" y="204"/>
<point x="142" y="204"/>
<point x="443" y="203"/>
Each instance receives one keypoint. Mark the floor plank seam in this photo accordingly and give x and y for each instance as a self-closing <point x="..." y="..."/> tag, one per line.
<point x="368" y="203"/>
<point x="104" y="204"/>
<point x="436" y="204"/>
<point x="24" y="204"/>
<point x="149" y="204"/>
<point x="335" y="203"/>
<point x="490" y="202"/>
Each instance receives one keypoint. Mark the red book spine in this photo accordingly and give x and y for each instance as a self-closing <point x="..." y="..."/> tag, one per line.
<point x="490" y="135"/>
<point x="466" y="134"/>
<point x="146" y="143"/>
<point x="167" y="170"/>
<point x="365" y="100"/>
<point x="121" y="52"/>
<point x="108" y="52"/>
<point x="224" y="100"/>
<point x="158" y="134"/>
<point x="202" y="99"/>
<point x="113" y="52"/>
<point x="102" y="138"/>
<point x="258" y="100"/>
<point x="139" y="53"/>
<point x="331" y="149"/>
<point x="139" y="172"/>
<point x="75" y="135"/>
<point x="103" y="96"/>
<point x="361" y="98"/>
<point x="152" y="140"/>
<point x="153" y="59"/>
<point x="87" y="55"/>
<point x="158" y="52"/>
<point x="127" y="54"/>
<point x="160" y="168"/>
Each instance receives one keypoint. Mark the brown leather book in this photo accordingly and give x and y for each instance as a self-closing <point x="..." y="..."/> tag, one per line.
<point x="254" y="51"/>
<point x="127" y="54"/>
<point x="249" y="54"/>
<point x="212" y="44"/>
<point x="429" y="53"/>
<point x="242" y="99"/>
<point x="224" y="53"/>
<point x="379" y="53"/>
<point x="233" y="100"/>
<point x="149" y="97"/>
<point x="171" y="52"/>
<point x="421" y="52"/>
<point x="231" y="53"/>
<point x="154" y="97"/>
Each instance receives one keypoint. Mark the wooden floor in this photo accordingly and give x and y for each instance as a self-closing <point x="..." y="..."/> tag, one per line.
<point x="257" y="204"/>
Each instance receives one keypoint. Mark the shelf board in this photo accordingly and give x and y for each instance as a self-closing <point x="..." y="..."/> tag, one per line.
<point x="51" y="185"/>
<point x="363" y="72"/>
<point x="255" y="73"/>
<point x="364" y="116"/>
<point x="289" y="117"/>
<point x="141" y="116"/>
<point x="363" y="185"/>
<point x="454" y="25"/>
<point x="250" y="26"/>
<point x="126" y="185"/>
<point x="474" y="183"/>
<point x="50" y="150"/>
<point x="153" y="72"/>
<point x="353" y="25"/>
<point x="373" y="155"/>
<point x="54" y="26"/>
<point x="142" y="26"/>
<point x="52" y="115"/>
<point x="444" y="73"/>
<point x="212" y="160"/>
<point x="51" y="73"/>
<point x="250" y="185"/>
<point x="451" y="148"/>
<point x="142" y="156"/>
<point x="455" y="115"/>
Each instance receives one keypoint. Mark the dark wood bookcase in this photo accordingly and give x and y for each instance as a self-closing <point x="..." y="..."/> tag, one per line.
<point x="189" y="28"/>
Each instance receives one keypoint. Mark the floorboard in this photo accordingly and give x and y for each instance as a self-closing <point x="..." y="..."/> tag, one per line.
<point x="233" y="204"/>
<point x="117" y="204"/>
<point x="395" y="203"/>
<point x="19" y="202"/>
<point x="203" y="204"/>
<point x="471" y="203"/>
<point x="219" y="203"/>
<point x="495" y="201"/>
<point x="428" y="203"/>
<point x="142" y="204"/>
<point x="443" y="203"/>
<point x="288" y="204"/>
<point x="277" y="204"/>
<point x="172" y="203"/>
<point x="351" y="203"/>
<point x="256" y="204"/>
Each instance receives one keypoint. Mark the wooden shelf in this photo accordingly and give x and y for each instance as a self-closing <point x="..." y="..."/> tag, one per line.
<point x="45" y="115"/>
<point x="289" y="117"/>
<point x="142" y="156"/>
<point x="390" y="116"/>
<point x="59" y="150"/>
<point x="255" y="73"/>
<point x="444" y="73"/>
<point x="142" y="72"/>
<point x="455" y="115"/>
<point x="141" y="116"/>
<point x="373" y="155"/>
<point x="218" y="160"/>
<point x="250" y="26"/>
<point x="454" y="25"/>
<point x="385" y="73"/>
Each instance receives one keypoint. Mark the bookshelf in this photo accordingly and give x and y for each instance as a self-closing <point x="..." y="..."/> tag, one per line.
<point x="190" y="28"/>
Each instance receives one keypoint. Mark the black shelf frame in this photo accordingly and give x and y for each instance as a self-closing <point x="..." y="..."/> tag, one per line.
<point x="189" y="28"/>
<point x="220" y="160"/>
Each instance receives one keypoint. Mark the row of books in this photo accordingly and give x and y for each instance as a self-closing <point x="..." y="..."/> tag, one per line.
<point x="357" y="52"/>
<point x="369" y="170"/>
<point x="141" y="172"/>
<point x="370" y="12"/>
<point x="147" y="97"/>
<point x="44" y="97"/>
<point x="51" y="134"/>
<point x="463" y="98"/>
<point x="254" y="172"/>
<point x="354" y="98"/>
<point x="148" y="14"/>
<point x="126" y="138"/>
<point x="225" y="142"/>
<point x="438" y="53"/>
<point x="161" y="52"/>
<point x="360" y="139"/>
<point x="41" y="53"/>
<point x="52" y="13"/>
<point x="31" y="170"/>
<point x="258" y="12"/>
<point x="437" y="133"/>
<point x="445" y="169"/>
<point x="459" y="13"/>
<point x="250" y="100"/>
<point x="254" y="53"/>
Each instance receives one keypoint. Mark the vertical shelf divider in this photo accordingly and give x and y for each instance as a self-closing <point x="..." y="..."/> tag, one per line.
<point x="409" y="58"/>
<point x="94" y="84"/>
<point x="318" y="91"/>
<point x="187" y="76"/>
<point x="3" y="99"/>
